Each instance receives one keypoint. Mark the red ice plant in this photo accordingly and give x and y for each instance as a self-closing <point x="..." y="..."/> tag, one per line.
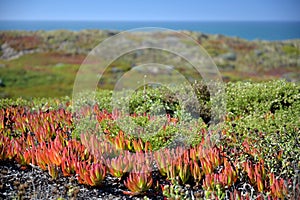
<point x="256" y="174"/>
<point x="68" y="165"/>
<point x="81" y="171"/>
<point x="53" y="171"/>
<point x="183" y="167"/>
<point x="41" y="156"/>
<point x="55" y="151"/>
<point x="172" y="172"/>
<point x="90" y="172"/>
<point x="119" y="165"/>
<point x="138" y="182"/>
<point x="95" y="174"/>
<point x="229" y="174"/>
<point x="210" y="159"/>
<point x="1" y="120"/>
<point x="4" y="147"/>
<point x="196" y="171"/>
<point x="278" y="187"/>
<point x="163" y="159"/>
<point x="120" y="142"/>
<point x="139" y="146"/>
<point x="40" y="138"/>
<point x="209" y="181"/>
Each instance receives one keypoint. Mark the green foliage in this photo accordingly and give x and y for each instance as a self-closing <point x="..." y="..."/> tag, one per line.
<point x="153" y="100"/>
<point x="291" y="50"/>
<point x="35" y="104"/>
<point x="261" y="126"/>
<point x="244" y="98"/>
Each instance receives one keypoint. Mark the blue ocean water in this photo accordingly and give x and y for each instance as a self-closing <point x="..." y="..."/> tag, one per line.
<point x="247" y="30"/>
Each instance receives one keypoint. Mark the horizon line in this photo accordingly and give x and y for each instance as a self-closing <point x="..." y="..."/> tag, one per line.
<point x="93" y="20"/>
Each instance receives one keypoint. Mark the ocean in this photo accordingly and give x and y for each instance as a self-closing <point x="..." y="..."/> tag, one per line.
<point x="270" y="31"/>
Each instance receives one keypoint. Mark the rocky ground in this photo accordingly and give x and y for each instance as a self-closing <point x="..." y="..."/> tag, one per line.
<point x="33" y="183"/>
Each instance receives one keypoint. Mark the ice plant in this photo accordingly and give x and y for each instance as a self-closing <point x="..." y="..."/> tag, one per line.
<point x="140" y="146"/>
<point x="213" y="186"/>
<point x="81" y="171"/>
<point x="24" y="158"/>
<point x="119" y="165"/>
<point x="210" y="159"/>
<point x="138" y="182"/>
<point x="278" y="187"/>
<point x="119" y="141"/>
<point x="248" y="168"/>
<point x="229" y="174"/>
<point x="208" y="182"/>
<point x="142" y="160"/>
<point x="184" y="171"/>
<point x="42" y="138"/>
<point x="30" y="140"/>
<point x="256" y="174"/>
<point x="100" y="147"/>
<point x="4" y="147"/>
<point x="193" y="154"/>
<point x="1" y="120"/>
<point x="195" y="171"/>
<point x="172" y="172"/>
<point x="95" y="175"/>
<point x="175" y="191"/>
<point x="237" y="195"/>
<point x="55" y="151"/>
<point x="260" y="175"/>
<point x="41" y="156"/>
<point x="53" y="171"/>
<point x="183" y="167"/>
<point x="206" y="165"/>
<point x="163" y="159"/>
<point x="68" y="164"/>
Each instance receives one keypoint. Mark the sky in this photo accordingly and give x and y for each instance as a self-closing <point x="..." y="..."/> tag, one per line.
<point x="151" y="10"/>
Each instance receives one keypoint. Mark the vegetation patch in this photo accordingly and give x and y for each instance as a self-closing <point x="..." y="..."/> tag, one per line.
<point x="254" y="156"/>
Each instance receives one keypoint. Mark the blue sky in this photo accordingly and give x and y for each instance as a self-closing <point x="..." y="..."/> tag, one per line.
<point x="164" y="10"/>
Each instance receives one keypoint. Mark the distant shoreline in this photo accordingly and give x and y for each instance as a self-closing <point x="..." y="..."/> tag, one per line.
<point x="249" y="30"/>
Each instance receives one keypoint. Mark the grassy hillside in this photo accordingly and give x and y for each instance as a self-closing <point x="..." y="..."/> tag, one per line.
<point x="34" y="63"/>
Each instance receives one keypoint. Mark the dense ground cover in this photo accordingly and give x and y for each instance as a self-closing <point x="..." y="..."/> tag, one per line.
<point x="254" y="156"/>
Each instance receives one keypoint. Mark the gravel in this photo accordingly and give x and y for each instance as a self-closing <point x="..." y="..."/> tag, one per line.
<point x="33" y="183"/>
